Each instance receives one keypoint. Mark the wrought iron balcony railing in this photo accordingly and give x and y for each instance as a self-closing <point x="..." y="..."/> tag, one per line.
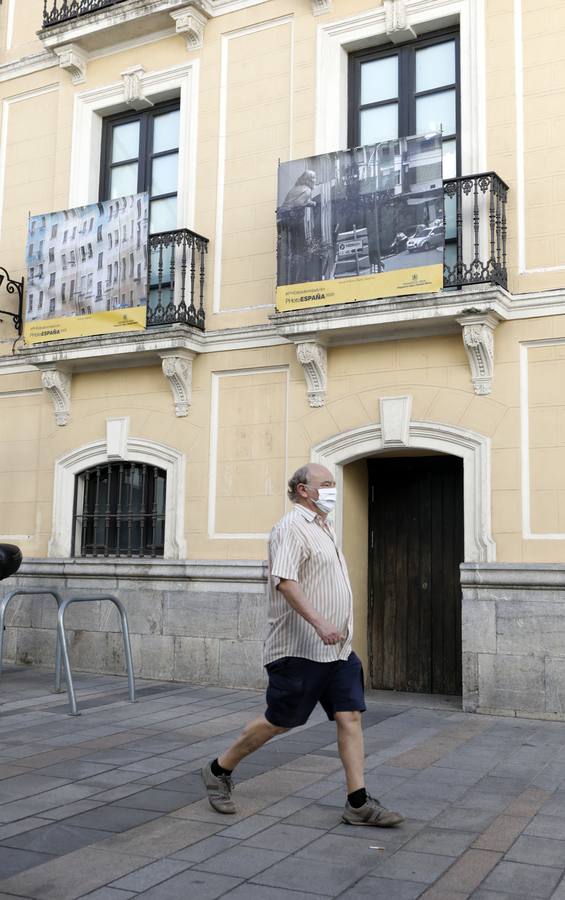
<point x="177" y="272"/>
<point x="475" y="230"/>
<point x="64" y="10"/>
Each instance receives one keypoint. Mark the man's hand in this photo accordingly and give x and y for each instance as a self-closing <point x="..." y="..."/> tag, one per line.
<point x="294" y="596"/>
<point x="328" y="632"/>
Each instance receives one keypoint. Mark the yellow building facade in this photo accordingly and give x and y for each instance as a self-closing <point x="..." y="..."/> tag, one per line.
<point x="442" y="414"/>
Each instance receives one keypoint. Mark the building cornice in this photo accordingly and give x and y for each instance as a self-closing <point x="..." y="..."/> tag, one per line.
<point x="28" y="65"/>
<point x="165" y="570"/>
<point x="134" y="349"/>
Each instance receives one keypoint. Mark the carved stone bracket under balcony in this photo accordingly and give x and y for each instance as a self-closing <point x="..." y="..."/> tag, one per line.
<point x="478" y="340"/>
<point x="398" y="27"/>
<point x="178" y="371"/>
<point x="73" y="59"/>
<point x="57" y="383"/>
<point x="313" y="357"/>
<point x="134" y="93"/>
<point x="319" y="7"/>
<point x="191" y="22"/>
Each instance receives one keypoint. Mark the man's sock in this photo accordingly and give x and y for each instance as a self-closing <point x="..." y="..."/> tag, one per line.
<point x="357" y="798"/>
<point x="217" y="769"/>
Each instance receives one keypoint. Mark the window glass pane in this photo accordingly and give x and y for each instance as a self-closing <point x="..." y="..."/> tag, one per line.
<point x="436" y="113"/>
<point x="379" y="124"/>
<point x="450" y="255"/>
<point x="163" y="215"/>
<point x="123" y="181"/>
<point x="449" y="159"/>
<point x="164" y="178"/>
<point x="379" y="80"/>
<point x="450" y="210"/>
<point x="435" y="66"/>
<point x="166" y="131"/>
<point x="125" y="141"/>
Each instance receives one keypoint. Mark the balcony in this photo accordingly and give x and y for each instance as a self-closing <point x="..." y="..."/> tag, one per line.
<point x="74" y="28"/>
<point x="478" y="205"/>
<point x="475" y="267"/>
<point x="177" y="275"/>
<point x="63" y="11"/>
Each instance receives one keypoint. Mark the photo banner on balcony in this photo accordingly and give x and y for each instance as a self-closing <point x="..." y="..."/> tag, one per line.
<point x="87" y="270"/>
<point x="360" y="224"/>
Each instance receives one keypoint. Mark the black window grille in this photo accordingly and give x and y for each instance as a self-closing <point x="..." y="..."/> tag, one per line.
<point x="119" y="510"/>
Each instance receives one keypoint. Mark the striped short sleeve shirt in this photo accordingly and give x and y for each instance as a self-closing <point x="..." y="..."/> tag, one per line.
<point x="304" y="549"/>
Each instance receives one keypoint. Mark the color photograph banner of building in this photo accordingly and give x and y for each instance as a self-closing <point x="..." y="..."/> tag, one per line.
<point x="361" y="224"/>
<point x="87" y="270"/>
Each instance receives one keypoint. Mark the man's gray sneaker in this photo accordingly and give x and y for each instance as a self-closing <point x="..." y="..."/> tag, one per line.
<point x="219" y="788"/>
<point x="371" y="813"/>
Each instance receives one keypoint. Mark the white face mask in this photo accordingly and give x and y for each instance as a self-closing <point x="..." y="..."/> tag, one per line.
<point x="327" y="498"/>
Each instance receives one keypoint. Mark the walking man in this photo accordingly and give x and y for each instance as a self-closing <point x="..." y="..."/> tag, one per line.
<point x="307" y="650"/>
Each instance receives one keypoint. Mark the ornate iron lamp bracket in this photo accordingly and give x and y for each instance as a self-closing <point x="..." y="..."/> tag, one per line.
<point x="13" y="287"/>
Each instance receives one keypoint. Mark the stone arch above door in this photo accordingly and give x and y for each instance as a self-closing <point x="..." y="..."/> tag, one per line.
<point x="398" y="430"/>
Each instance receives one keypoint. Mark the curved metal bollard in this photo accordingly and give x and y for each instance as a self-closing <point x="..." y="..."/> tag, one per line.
<point x="23" y="592"/>
<point x="62" y="645"/>
<point x="62" y="653"/>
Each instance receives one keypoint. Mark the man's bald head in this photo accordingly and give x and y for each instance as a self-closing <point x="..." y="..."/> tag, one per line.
<point x="312" y="475"/>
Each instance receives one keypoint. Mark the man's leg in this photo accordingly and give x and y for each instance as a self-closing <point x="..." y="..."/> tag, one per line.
<point x="253" y="736"/>
<point x="351" y="748"/>
<point x="217" y="774"/>
<point x="361" y="808"/>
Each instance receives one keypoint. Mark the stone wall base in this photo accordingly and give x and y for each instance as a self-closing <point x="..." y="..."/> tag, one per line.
<point x="514" y="639"/>
<point x="199" y="622"/>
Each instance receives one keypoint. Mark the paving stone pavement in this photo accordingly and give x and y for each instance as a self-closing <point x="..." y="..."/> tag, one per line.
<point x="110" y="805"/>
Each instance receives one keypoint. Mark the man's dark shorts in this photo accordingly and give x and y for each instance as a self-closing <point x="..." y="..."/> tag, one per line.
<point x="297" y="684"/>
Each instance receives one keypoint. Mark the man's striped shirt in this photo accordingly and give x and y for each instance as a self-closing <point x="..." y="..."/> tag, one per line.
<point x="304" y="549"/>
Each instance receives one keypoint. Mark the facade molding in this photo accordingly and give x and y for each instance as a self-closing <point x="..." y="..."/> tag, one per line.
<point x="190" y="23"/>
<point x="225" y="42"/>
<point x="90" y="107"/>
<point x="134" y="93"/>
<point x="213" y="453"/>
<point x="313" y="357"/>
<point x="527" y="533"/>
<point x="374" y="320"/>
<point x="73" y="59"/>
<point x="28" y="65"/>
<point x="478" y="341"/>
<point x="6" y="107"/>
<point x="396" y="413"/>
<point x="57" y="383"/>
<point x="473" y="448"/>
<point x="70" y="465"/>
<point x="321" y="7"/>
<point x="398" y="26"/>
<point x="177" y="369"/>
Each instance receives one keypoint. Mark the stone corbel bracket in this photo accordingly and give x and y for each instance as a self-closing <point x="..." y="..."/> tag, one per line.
<point x="177" y="369"/>
<point x="313" y="357"/>
<point x="73" y="59"/>
<point x="478" y="340"/>
<point x="134" y="93"/>
<point x="191" y="22"/>
<point x="397" y="26"/>
<point x="320" y="7"/>
<point x="57" y="383"/>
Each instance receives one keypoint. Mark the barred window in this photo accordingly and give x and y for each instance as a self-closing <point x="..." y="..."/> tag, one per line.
<point x="119" y="510"/>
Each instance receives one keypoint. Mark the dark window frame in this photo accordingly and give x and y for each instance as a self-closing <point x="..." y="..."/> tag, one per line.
<point x="140" y="525"/>
<point x="144" y="160"/>
<point x="407" y="94"/>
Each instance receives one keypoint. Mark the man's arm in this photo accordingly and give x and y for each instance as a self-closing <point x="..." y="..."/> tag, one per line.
<point x="295" y="597"/>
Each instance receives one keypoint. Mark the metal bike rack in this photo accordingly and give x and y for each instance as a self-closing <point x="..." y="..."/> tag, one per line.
<point x="62" y="653"/>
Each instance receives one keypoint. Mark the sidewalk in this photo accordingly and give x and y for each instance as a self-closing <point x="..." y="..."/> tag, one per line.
<point x="110" y="805"/>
